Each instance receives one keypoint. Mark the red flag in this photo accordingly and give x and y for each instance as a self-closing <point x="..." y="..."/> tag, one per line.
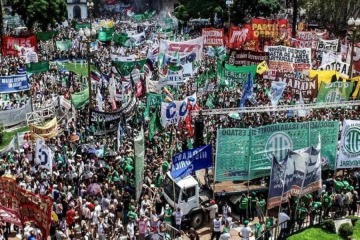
<point x="188" y="126"/>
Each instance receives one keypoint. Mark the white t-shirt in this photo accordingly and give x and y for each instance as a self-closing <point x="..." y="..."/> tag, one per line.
<point x="245" y="232"/>
<point x="130" y="230"/>
<point x="217" y="224"/>
<point x="283" y="218"/>
<point x="225" y="236"/>
<point x="178" y="216"/>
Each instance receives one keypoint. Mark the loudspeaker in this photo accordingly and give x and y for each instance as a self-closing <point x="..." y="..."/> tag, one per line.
<point x="199" y="133"/>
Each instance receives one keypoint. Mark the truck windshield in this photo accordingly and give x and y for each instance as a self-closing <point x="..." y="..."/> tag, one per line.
<point x="169" y="189"/>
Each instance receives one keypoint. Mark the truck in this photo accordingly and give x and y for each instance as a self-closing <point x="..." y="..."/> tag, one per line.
<point x="194" y="192"/>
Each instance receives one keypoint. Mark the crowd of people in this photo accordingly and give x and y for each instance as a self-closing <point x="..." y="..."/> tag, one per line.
<point x="94" y="194"/>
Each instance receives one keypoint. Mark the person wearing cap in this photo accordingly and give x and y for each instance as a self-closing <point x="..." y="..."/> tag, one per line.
<point x="225" y="235"/>
<point x="216" y="227"/>
<point x="213" y="208"/>
<point x="246" y="232"/>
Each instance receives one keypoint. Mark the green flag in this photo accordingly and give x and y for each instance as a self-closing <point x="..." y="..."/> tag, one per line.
<point x="334" y="92"/>
<point x="138" y="17"/>
<point x="125" y="68"/>
<point x="106" y="34"/>
<point x="152" y="99"/>
<point x="37" y="67"/>
<point x="64" y="45"/>
<point x="237" y="74"/>
<point x="77" y="26"/>
<point x="155" y="125"/>
<point x="120" y="39"/>
<point x="209" y="102"/>
<point x="80" y="99"/>
<point x="45" y="36"/>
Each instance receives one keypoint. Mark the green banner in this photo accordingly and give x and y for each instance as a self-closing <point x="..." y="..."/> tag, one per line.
<point x="106" y="34"/>
<point x="125" y="68"/>
<point x="236" y="74"/>
<point x="138" y="17"/>
<point x="80" y="99"/>
<point x="139" y="148"/>
<point x="154" y="125"/>
<point x="64" y="45"/>
<point x="120" y="39"/>
<point x="77" y="26"/>
<point x="236" y="147"/>
<point x="45" y="36"/>
<point x="152" y="99"/>
<point x="209" y="102"/>
<point x="37" y="67"/>
<point x="334" y="92"/>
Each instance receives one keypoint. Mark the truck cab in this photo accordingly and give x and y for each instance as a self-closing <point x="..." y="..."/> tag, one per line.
<point x="186" y="194"/>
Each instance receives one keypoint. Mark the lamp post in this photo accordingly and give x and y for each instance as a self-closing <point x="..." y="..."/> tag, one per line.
<point x="229" y="3"/>
<point x="89" y="34"/>
<point x="354" y="26"/>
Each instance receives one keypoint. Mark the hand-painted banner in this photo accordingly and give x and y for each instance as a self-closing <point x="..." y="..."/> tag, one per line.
<point x="10" y="45"/>
<point x="287" y="59"/>
<point x="172" y="79"/>
<point x="247" y="57"/>
<point x="349" y="154"/>
<point x="298" y="82"/>
<point x="15" y="116"/>
<point x="237" y="37"/>
<point x="176" y="111"/>
<point x="189" y="161"/>
<point x="334" y="92"/>
<point x="14" y="83"/>
<point x="25" y="205"/>
<point x="107" y="122"/>
<point x="272" y="28"/>
<point x="238" y="151"/>
<point x="328" y="45"/>
<point x="341" y="67"/>
<point x="48" y="131"/>
<point x="191" y="49"/>
<point x="213" y="37"/>
<point x="307" y="40"/>
<point x="237" y="74"/>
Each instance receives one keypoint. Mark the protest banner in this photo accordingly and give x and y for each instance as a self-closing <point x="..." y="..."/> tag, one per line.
<point x="237" y="74"/>
<point x="242" y="149"/>
<point x="24" y="205"/>
<point x="247" y="57"/>
<point x="237" y="37"/>
<point x="64" y="45"/>
<point x="80" y="99"/>
<point x="192" y="160"/>
<point x="45" y="36"/>
<point x="287" y="59"/>
<point x="173" y="78"/>
<point x="106" y="34"/>
<point x="298" y="82"/>
<point x="126" y="67"/>
<point x="306" y="39"/>
<point x="38" y="67"/>
<point x="48" y="131"/>
<point x="190" y="50"/>
<point x="107" y="122"/>
<point x="78" y="26"/>
<point x="213" y="37"/>
<point x="349" y="152"/>
<point x="334" y="92"/>
<point x="15" y="116"/>
<point x="139" y="148"/>
<point x="14" y="83"/>
<point x="176" y="111"/>
<point x="10" y="45"/>
<point x="356" y="57"/>
<point x="328" y="45"/>
<point x="43" y="155"/>
<point x="152" y="100"/>
<point x="340" y="67"/>
<point x="272" y="28"/>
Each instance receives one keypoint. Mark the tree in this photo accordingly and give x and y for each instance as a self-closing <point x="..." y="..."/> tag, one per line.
<point x="44" y="13"/>
<point x="331" y="14"/>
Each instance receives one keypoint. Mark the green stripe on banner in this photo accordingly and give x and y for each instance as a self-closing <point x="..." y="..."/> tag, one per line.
<point x="236" y="147"/>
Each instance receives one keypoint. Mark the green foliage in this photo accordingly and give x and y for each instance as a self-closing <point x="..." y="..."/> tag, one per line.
<point x="8" y="136"/>
<point x="1" y="132"/>
<point x="314" y="233"/>
<point x="353" y="219"/>
<point x="329" y="225"/>
<point x="181" y="13"/>
<point x="42" y="12"/>
<point x="346" y="230"/>
<point x="331" y="14"/>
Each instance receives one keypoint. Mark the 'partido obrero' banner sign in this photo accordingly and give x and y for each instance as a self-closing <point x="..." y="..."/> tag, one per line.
<point x="14" y="83"/>
<point x="238" y="150"/>
<point x="267" y="28"/>
<point x="288" y="59"/>
<point x="213" y="36"/>
<point x="10" y="45"/>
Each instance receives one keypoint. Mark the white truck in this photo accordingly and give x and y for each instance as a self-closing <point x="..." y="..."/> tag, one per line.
<point x="190" y="195"/>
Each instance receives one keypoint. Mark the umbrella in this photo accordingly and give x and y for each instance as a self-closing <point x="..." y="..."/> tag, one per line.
<point x="93" y="189"/>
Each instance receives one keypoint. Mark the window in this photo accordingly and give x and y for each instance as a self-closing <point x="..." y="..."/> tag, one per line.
<point x="190" y="192"/>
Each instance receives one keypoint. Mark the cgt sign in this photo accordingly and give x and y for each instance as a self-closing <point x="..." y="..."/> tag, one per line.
<point x="10" y="45"/>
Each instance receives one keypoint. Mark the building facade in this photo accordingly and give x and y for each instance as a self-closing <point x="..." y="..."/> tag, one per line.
<point x="77" y="9"/>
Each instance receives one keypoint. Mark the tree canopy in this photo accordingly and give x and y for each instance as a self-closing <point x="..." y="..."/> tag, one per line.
<point x="45" y="13"/>
<point x="331" y="14"/>
<point x="241" y="10"/>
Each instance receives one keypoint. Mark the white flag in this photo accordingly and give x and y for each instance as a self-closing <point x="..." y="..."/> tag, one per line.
<point x="45" y="155"/>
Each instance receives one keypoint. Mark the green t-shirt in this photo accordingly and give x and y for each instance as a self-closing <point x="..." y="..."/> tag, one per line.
<point x="262" y="204"/>
<point x="159" y="181"/>
<point x="165" y="166"/>
<point x="244" y="203"/>
<point x="307" y="199"/>
<point x="132" y="215"/>
<point x="327" y="201"/>
<point x="302" y="212"/>
<point x="257" y="230"/>
<point x="346" y="184"/>
<point x="316" y="206"/>
<point x="339" y="185"/>
<point x="168" y="215"/>
<point x="269" y="222"/>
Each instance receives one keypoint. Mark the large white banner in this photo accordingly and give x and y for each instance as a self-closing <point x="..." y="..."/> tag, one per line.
<point x="15" y="116"/>
<point x="44" y="155"/>
<point x="176" y="111"/>
<point x="328" y="45"/>
<point x="341" y="67"/>
<point x="349" y="153"/>
<point x="189" y="51"/>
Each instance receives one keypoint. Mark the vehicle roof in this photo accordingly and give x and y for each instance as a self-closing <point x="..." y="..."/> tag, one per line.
<point x="185" y="182"/>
